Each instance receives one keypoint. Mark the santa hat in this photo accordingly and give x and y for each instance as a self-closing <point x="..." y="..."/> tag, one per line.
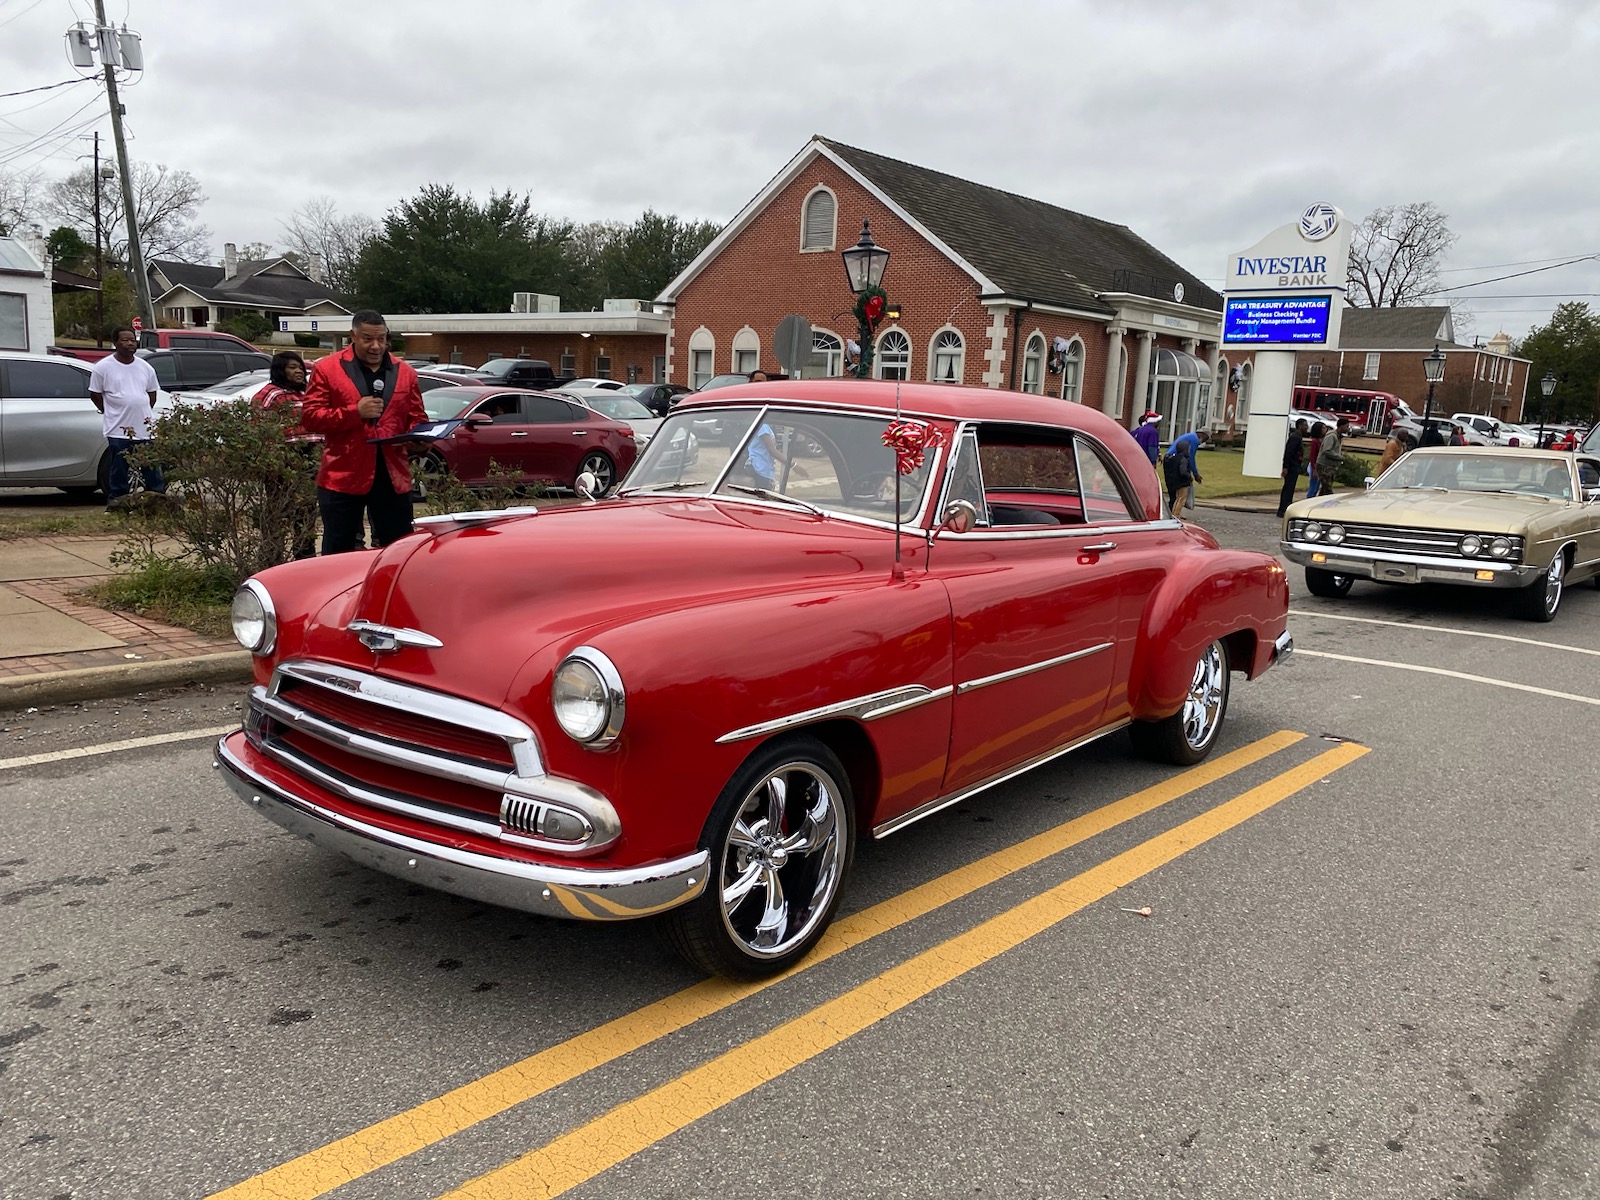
<point x="1150" y="416"/>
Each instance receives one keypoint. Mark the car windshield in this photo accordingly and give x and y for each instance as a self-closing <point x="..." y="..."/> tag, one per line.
<point x="442" y="403"/>
<point x="234" y="384"/>
<point x="1521" y="473"/>
<point x="832" y="462"/>
<point x="498" y="367"/>
<point x="619" y="407"/>
<point x="719" y="381"/>
<point x="638" y="390"/>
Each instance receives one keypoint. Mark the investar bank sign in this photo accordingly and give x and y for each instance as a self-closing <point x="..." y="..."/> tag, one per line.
<point x="1298" y="270"/>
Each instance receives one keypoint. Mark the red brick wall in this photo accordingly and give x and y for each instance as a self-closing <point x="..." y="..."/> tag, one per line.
<point x="1402" y="372"/>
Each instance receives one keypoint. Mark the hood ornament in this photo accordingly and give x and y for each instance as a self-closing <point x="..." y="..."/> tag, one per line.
<point x="386" y="639"/>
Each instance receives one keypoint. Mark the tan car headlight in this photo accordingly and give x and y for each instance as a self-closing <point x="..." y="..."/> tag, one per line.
<point x="587" y="698"/>
<point x="1471" y="545"/>
<point x="1313" y="532"/>
<point x="1335" y="534"/>
<point x="1500" y="547"/>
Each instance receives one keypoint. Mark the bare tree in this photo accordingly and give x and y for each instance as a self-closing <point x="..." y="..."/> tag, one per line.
<point x="20" y="201"/>
<point x="1395" y="254"/>
<point x="316" y="232"/>
<point x="256" y="251"/>
<point x="166" y="205"/>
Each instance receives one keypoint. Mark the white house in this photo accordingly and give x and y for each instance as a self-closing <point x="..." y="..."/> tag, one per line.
<point x="27" y="315"/>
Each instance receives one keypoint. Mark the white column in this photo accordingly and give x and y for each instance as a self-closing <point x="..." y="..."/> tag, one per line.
<point x="1141" y="373"/>
<point x="1109" y="398"/>
<point x="1271" y="388"/>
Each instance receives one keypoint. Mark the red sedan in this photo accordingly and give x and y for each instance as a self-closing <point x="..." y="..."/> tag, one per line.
<point x="869" y="602"/>
<point x="533" y="436"/>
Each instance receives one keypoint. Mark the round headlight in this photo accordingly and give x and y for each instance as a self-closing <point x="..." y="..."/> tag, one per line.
<point x="1335" y="534"/>
<point x="255" y="623"/>
<point x="1500" y="547"/>
<point x="587" y="698"/>
<point x="1313" y="531"/>
<point x="1471" y="545"/>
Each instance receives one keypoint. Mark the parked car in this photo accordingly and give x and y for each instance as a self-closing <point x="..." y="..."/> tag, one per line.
<point x="659" y="398"/>
<point x="520" y="372"/>
<point x="722" y="381"/>
<point x="449" y="369"/>
<point x="429" y="378"/>
<point x="595" y="385"/>
<point x="242" y="386"/>
<point x="641" y="422"/>
<point x="191" y="339"/>
<point x="51" y="434"/>
<point x="197" y="370"/>
<point x="692" y="699"/>
<point x="1446" y="427"/>
<point x="1485" y="517"/>
<point x="1493" y="432"/>
<point x="540" y="438"/>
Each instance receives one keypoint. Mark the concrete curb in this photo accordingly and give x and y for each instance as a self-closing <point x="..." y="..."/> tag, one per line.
<point x="122" y="679"/>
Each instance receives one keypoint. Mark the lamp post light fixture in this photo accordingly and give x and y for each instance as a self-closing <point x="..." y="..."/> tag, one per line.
<point x="1547" y="386"/>
<point x="864" y="265"/>
<point x="1433" y="368"/>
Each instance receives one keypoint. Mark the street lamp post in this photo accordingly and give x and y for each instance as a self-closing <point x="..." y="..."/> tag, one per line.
<point x="1433" y="368"/>
<point x="1547" y="386"/>
<point x="864" y="265"/>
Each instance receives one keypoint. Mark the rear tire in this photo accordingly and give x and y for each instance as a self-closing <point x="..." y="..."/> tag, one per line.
<point x="605" y="471"/>
<point x="1187" y="736"/>
<point x="1540" y="600"/>
<point x="1330" y="584"/>
<point x="781" y="839"/>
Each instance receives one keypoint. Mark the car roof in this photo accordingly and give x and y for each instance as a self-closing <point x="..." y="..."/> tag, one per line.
<point x="29" y="356"/>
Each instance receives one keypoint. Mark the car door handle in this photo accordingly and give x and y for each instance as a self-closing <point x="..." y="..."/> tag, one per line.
<point x="1098" y="547"/>
<point x="520" y="433"/>
<point x="579" y="432"/>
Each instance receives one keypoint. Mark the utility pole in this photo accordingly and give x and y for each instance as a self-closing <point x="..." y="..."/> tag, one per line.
<point x="141" y="281"/>
<point x="99" y="255"/>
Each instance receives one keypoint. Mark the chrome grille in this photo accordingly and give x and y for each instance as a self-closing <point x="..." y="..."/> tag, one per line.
<point x="1397" y="539"/>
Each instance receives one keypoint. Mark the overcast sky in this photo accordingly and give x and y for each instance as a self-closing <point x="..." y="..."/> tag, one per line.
<point x="1201" y="125"/>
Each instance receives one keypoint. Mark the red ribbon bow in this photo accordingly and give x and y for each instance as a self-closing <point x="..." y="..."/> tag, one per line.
<point x="910" y="441"/>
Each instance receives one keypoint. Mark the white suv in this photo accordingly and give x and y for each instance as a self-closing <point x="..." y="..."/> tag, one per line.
<point x="1488" y="428"/>
<point x="51" y="434"/>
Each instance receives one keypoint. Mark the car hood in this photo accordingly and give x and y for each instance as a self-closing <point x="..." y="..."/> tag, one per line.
<point x="1467" y="512"/>
<point x="496" y="593"/>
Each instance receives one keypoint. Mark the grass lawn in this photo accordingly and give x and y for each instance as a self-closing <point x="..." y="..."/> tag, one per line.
<point x="1222" y="474"/>
<point x="54" y="522"/>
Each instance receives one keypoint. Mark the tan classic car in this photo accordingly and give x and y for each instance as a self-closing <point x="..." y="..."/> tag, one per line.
<point x="1478" y="516"/>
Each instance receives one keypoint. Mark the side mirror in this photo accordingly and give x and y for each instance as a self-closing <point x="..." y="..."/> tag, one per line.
<point x="587" y="486"/>
<point x="959" y="516"/>
<point x="1370" y="482"/>
<point x="478" y="419"/>
<point x="1591" y="494"/>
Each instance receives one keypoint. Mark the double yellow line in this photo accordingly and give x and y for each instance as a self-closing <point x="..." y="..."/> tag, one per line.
<point x="585" y="1152"/>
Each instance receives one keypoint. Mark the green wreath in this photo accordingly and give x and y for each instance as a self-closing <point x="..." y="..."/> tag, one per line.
<point x="871" y="304"/>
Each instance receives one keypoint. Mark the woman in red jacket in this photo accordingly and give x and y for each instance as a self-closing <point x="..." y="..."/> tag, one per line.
<point x="289" y="493"/>
<point x="355" y="396"/>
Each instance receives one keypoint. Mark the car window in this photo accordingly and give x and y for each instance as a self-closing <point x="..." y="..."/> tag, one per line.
<point x="1103" y="498"/>
<point x="45" y="381"/>
<point x="503" y="410"/>
<point x="180" y="341"/>
<point x="543" y="410"/>
<point x="244" y="360"/>
<point x="199" y="368"/>
<point x="166" y="369"/>
<point x="620" y="408"/>
<point x="445" y="403"/>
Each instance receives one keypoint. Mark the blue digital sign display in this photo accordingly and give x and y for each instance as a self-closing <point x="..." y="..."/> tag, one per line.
<point x="1276" y="320"/>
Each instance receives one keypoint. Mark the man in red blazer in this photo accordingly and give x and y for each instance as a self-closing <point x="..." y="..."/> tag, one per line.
<point x="353" y="396"/>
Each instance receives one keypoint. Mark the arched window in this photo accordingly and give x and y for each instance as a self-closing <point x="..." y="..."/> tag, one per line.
<point x="746" y="350"/>
<point x="827" y="356"/>
<point x="1033" y="365"/>
<point x="949" y="357"/>
<point x="817" y="220"/>
<point x="702" y="352"/>
<point x="894" y="356"/>
<point x="1072" y="372"/>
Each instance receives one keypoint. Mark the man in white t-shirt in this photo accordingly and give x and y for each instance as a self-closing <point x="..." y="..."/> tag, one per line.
<point x="123" y="387"/>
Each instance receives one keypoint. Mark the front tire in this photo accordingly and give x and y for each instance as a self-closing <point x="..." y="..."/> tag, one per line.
<point x="605" y="471"/>
<point x="1540" y="600"/>
<point x="1328" y="583"/>
<point x="1187" y="735"/>
<point x="781" y="840"/>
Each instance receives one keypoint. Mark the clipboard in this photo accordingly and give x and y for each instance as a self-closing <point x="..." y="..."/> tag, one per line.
<point x="428" y="431"/>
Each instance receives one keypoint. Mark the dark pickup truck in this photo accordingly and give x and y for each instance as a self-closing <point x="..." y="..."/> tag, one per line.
<point x="532" y="373"/>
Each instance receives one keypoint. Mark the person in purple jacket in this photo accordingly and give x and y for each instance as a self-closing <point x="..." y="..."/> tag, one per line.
<point x="1148" y="435"/>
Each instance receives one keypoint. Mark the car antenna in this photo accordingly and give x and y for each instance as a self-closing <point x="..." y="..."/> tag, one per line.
<point x="899" y="571"/>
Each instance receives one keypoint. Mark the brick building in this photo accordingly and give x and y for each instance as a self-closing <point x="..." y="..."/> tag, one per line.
<point x="994" y="289"/>
<point x="1381" y="349"/>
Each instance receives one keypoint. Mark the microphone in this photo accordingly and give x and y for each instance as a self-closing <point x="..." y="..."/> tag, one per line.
<point x="377" y="390"/>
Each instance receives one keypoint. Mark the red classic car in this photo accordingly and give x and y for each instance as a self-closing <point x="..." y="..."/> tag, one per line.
<point x="864" y="605"/>
<point x="533" y="436"/>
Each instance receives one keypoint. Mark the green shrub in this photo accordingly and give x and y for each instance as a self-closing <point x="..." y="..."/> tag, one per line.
<point x="309" y="340"/>
<point x="1355" y="468"/>
<point x="251" y="326"/>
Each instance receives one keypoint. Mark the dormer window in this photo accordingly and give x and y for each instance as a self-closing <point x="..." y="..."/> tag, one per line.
<point x="817" y="220"/>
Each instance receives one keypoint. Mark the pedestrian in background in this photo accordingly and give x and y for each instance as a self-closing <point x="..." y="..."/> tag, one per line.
<point x="1329" y="457"/>
<point x="1148" y="435"/>
<point x="1318" y="432"/>
<point x="123" y="387"/>
<point x="360" y="394"/>
<point x="1294" y="450"/>
<point x="291" y="494"/>
<point x="1182" y="469"/>
<point x="1431" y="435"/>
<point x="1399" y="442"/>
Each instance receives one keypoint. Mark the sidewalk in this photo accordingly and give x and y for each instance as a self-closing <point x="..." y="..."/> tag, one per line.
<point x="55" y="648"/>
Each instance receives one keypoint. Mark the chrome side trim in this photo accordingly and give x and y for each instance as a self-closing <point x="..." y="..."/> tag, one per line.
<point x="1003" y="533"/>
<point x="437" y="705"/>
<point x="932" y="806"/>
<point x="867" y="708"/>
<point x="973" y="685"/>
<point x="475" y="517"/>
<point x="578" y="893"/>
<point x="386" y="639"/>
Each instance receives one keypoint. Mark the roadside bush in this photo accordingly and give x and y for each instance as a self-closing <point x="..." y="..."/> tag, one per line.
<point x="237" y="487"/>
<point x="1355" y="468"/>
<point x="447" y="494"/>
<point x="309" y="340"/>
<point x="251" y="326"/>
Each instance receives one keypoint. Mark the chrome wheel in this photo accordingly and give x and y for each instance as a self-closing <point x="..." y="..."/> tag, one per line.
<point x="1552" y="583"/>
<point x="1208" y="692"/>
<point x="780" y="862"/>
<point x="600" y="466"/>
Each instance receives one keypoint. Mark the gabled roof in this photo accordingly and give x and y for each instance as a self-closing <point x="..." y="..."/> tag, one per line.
<point x="248" y="287"/>
<point x="1010" y="245"/>
<point x="1415" y="328"/>
<point x="189" y="275"/>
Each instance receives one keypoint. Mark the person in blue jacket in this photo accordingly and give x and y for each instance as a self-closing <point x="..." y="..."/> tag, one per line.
<point x="1180" y="468"/>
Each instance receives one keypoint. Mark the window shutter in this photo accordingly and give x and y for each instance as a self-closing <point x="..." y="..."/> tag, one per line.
<point x="818" y="234"/>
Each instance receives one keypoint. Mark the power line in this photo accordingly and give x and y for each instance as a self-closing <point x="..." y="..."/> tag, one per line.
<point x="1514" y="275"/>
<point x="47" y="87"/>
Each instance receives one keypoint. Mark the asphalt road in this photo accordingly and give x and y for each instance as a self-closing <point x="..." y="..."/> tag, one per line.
<point x="1369" y="969"/>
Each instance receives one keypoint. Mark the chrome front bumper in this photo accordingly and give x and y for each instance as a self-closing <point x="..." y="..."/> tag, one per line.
<point x="1410" y="568"/>
<point x="578" y="893"/>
